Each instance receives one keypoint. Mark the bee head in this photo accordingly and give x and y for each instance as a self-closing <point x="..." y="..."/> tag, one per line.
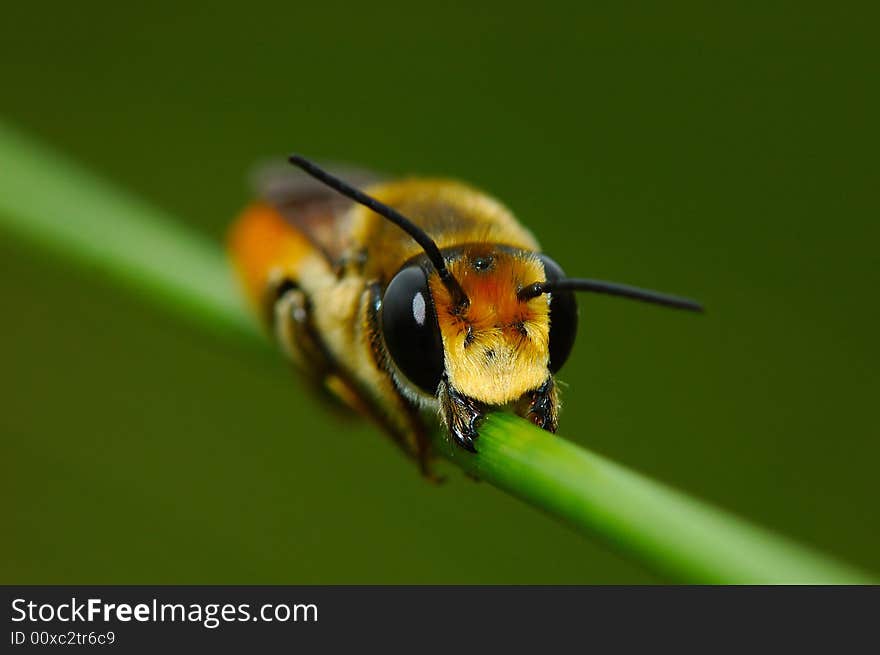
<point x="495" y="346"/>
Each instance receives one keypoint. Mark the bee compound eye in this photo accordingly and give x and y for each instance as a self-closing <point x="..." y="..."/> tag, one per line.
<point x="563" y="317"/>
<point x="409" y="324"/>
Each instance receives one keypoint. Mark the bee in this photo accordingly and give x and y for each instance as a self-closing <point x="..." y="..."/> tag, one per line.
<point x="412" y="300"/>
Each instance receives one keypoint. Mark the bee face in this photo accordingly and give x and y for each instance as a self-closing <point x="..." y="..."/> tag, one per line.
<point x="496" y="347"/>
<point x="492" y="350"/>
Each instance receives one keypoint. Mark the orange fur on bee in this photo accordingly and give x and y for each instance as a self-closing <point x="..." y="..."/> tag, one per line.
<point x="264" y="245"/>
<point x="497" y="348"/>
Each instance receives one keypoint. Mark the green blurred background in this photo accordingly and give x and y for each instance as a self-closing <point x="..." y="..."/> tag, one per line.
<point x="729" y="154"/>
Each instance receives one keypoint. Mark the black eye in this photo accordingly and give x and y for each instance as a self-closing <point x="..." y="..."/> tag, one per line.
<point x="412" y="334"/>
<point x="563" y="317"/>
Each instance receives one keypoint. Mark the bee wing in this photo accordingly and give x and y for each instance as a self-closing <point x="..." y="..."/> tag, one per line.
<point x="312" y="208"/>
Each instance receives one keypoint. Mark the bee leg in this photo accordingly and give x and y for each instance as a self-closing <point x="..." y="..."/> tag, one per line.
<point x="541" y="406"/>
<point x="291" y="322"/>
<point x="460" y="414"/>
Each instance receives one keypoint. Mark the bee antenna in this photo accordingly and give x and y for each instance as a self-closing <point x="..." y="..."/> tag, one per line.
<point x="418" y="234"/>
<point x="609" y="288"/>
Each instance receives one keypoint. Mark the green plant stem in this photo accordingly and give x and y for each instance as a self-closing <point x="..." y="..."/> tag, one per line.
<point x="680" y="536"/>
<point x="64" y="208"/>
<point x="58" y="205"/>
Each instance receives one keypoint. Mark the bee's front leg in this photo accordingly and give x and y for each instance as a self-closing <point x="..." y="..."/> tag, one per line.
<point x="460" y="415"/>
<point x="290" y="319"/>
<point x="541" y="406"/>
